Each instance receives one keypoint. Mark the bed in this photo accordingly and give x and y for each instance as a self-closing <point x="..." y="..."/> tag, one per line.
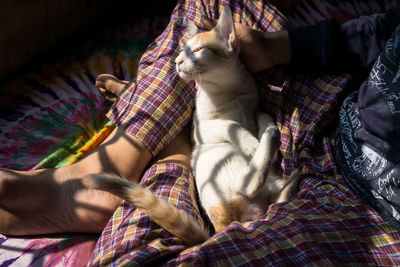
<point x="52" y="115"/>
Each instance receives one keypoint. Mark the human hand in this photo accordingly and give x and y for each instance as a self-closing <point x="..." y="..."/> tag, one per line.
<point x="259" y="50"/>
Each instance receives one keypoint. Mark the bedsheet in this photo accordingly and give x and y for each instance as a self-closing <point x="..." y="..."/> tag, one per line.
<point x="51" y="115"/>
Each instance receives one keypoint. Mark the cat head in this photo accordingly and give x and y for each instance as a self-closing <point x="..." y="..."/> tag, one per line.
<point x="206" y="54"/>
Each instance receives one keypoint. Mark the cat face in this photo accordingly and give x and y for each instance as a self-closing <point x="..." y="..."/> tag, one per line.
<point x="204" y="54"/>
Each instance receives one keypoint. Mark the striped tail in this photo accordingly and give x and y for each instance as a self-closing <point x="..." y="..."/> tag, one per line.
<point x="160" y="211"/>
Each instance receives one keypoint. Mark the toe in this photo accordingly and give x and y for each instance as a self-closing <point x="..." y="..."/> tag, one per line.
<point x="110" y="84"/>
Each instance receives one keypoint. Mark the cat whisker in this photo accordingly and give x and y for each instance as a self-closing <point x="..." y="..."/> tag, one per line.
<point x="199" y="75"/>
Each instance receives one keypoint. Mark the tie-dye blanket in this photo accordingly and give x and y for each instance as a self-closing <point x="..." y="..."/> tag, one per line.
<point x="54" y="115"/>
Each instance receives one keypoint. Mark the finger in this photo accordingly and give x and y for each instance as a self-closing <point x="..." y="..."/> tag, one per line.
<point x="208" y="23"/>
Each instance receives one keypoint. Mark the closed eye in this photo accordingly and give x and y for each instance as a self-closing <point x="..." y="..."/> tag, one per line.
<point x="197" y="49"/>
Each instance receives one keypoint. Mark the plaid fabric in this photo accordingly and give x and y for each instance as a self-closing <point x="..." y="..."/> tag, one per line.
<point x="324" y="224"/>
<point x="141" y="241"/>
<point x="156" y="106"/>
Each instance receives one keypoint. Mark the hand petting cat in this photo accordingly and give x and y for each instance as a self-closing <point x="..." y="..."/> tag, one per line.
<point x="259" y="50"/>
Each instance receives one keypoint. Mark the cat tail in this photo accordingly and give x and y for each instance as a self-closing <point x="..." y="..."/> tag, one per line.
<point x="175" y="221"/>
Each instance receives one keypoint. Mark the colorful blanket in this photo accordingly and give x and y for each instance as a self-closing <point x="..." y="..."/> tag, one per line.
<point x="54" y="115"/>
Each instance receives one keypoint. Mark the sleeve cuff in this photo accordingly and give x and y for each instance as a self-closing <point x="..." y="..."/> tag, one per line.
<point x="311" y="46"/>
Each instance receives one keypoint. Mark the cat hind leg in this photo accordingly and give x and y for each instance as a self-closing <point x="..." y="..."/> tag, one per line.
<point x="263" y="157"/>
<point x="287" y="188"/>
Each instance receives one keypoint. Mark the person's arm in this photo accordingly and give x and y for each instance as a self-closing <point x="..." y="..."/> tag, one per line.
<point x="259" y="50"/>
<point x="332" y="47"/>
<point x="325" y="47"/>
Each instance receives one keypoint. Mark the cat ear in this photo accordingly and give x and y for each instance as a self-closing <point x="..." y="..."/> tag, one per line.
<point x="191" y="27"/>
<point x="226" y="29"/>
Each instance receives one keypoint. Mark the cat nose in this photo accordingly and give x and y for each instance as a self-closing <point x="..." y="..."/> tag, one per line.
<point x="178" y="61"/>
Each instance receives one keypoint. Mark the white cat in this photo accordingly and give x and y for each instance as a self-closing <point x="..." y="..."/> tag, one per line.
<point x="229" y="162"/>
<point x="234" y="143"/>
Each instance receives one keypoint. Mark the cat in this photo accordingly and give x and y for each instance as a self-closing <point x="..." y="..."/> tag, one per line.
<point x="234" y="143"/>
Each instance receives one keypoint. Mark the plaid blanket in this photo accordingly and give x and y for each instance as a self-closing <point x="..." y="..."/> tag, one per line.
<point x="324" y="224"/>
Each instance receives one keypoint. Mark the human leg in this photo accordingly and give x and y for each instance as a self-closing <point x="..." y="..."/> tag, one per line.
<point x="53" y="200"/>
<point x="169" y="177"/>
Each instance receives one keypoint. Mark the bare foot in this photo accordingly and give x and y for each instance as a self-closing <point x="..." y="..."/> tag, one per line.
<point x="110" y="86"/>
